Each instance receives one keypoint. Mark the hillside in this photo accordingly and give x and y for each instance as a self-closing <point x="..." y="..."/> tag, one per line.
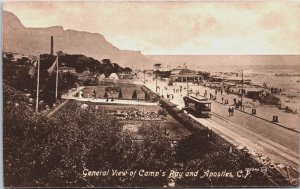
<point x="17" y="38"/>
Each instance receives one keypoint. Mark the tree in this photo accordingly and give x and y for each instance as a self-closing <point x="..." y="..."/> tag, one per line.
<point x="134" y="95"/>
<point x="127" y="70"/>
<point x="105" y="95"/>
<point x="157" y="66"/>
<point x="120" y="94"/>
<point x="81" y="63"/>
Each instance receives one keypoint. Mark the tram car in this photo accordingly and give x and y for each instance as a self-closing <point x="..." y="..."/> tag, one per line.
<point x="199" y="107"/>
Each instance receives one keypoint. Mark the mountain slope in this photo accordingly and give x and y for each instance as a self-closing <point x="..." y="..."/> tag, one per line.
<point x="17" y="38"/>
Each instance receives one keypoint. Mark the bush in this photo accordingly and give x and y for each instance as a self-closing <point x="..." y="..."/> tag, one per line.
<point x="134" y="95"/>
<point x="120" y="94"/>
<point x="162" y="112"/>
<point x="40" y="152"/>
<point x="105" y="95"/>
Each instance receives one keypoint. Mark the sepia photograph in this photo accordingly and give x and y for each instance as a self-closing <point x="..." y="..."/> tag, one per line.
<point x="159" y="94"/>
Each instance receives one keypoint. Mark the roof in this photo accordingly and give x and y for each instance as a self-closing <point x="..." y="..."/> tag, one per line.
<point x="254" y="89"/>
<point x="186" y="75"/>
<point x="200" y="100"/>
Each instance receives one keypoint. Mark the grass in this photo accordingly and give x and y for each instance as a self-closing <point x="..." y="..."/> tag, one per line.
<point x="127" y="91"/>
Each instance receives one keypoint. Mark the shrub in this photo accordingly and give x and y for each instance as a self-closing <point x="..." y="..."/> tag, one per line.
<point x="105" y="95"/>
<point x="134" y="95"/>
<point x="120" y="94"/>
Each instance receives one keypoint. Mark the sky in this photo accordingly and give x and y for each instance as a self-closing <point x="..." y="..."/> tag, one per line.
<point x="176" y="28"/>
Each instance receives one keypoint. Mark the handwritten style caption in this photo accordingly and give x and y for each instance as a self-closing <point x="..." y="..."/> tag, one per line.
<point x="172" y="173"/>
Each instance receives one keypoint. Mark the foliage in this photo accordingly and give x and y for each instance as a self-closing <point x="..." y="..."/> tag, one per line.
<point x="53" y="152"/>
<point x="134" y="95"/>
<point x="120" y="94"/>
<point x="105" y="95"/>
<point x="48" y="152"/>
<point x="157" y="66"/>
<point x="17" y="76"/>
<point x="113" y="87"/>
<point x="162" y="112"/>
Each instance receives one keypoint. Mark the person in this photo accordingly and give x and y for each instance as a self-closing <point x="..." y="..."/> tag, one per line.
<point x="94" y="94"/>
<point x="229" y="111"/>
<point x="232" y="111"/>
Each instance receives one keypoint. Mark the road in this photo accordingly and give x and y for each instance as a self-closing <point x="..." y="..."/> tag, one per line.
<point x="278" y="149"/>
<point x="271" y="141"/>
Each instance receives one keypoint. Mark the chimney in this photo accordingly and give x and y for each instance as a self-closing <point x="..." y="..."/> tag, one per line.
<point x="51" y="45"/>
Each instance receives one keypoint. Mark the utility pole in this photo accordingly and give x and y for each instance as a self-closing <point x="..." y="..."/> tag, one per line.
<point x="38" y="86"/>
<point x="56" y="84"/>
<point x="156" y="82"/>
<point x="242" y="87"/>
<point x="144" y="74"/>
<point x="187" y="87"/>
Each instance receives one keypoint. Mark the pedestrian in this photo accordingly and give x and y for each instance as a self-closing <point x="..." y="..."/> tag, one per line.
<point x="232" y="111"/>
<point x="94" y="94"/>
<point x="229" y="111"/>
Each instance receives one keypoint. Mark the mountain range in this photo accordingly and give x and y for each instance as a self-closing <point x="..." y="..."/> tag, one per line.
<point x="31" y="41"/>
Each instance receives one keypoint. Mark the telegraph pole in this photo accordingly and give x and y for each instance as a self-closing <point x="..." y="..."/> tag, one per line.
<point x="187" y="87"/>
<point x="144" y="74"/>
<point x="242" y="87"/>
<point x="38" y="85"/>
<point x="56" y="83"/>
<point x="242" y="92"/>
<point x="156" y="82"/>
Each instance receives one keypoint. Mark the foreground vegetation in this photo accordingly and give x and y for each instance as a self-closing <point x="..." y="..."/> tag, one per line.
<point x="39" y="151"/>
<point x="47" y="152"/>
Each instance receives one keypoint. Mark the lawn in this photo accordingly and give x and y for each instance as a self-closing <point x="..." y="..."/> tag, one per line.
<point x="127" y="90"/>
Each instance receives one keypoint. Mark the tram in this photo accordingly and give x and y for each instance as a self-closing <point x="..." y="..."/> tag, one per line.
<point x="199" y="107"/>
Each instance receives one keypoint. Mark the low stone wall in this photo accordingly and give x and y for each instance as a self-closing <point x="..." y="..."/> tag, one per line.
<point x="152" y="96"/>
